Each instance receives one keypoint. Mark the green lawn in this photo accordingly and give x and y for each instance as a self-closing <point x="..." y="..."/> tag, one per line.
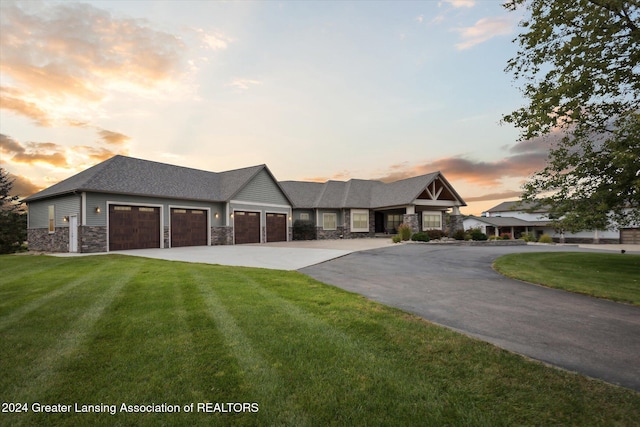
<point x="108" y="330"/>
<point x="612" y="276"/>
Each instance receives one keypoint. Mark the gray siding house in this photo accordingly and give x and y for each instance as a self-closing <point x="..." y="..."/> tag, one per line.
<point x="365" y="208"/>
<point x="127" y="203"/>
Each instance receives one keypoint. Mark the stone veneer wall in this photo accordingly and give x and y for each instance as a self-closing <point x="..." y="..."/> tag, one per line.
<point x="222" y="235"/>
<point x="166" y="238"/>
<point x="329" y="234"/>
<point x="92" y="239"/>
<point x="41" y="240"/>
<point x="456" y="222"/>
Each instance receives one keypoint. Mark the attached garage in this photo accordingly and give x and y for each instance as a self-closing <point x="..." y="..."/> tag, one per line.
<point x="276" y="227"/>
<point x="246" y="227"/>
<point x="189" y="227"/>
<point x="630" y="236"/>
<point x="133" y="227"/>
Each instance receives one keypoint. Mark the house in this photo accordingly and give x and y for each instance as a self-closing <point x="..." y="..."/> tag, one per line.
<point x="128" y="203"/>
<point x="516" y="219"/>
<point x="364" y="208"/>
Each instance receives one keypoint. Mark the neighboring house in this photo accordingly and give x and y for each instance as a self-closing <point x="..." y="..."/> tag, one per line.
<point x="364" y="208"/>
<point x="510" y="217"/>
<point x="127" y="203"/>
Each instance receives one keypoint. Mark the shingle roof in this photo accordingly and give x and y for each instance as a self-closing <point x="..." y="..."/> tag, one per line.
<point x="514" y="206"/>
<point x="507" y="221"/>
<point x="302" y="194"/>
<point x="359" y="193"/>
<point x="127" y="175"/>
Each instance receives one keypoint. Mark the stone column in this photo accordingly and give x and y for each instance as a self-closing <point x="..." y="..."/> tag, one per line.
<point x="412" y="221"/>
<point x="456" y="221"/>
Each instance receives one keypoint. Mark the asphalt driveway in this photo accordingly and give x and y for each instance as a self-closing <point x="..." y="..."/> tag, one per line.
<point x="456" y="287"/>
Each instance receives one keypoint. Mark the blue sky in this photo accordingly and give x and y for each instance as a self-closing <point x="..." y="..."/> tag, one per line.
<point x="315" y="90"/>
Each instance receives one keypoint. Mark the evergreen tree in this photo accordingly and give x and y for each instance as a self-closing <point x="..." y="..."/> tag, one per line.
<point x="13" y="218"/>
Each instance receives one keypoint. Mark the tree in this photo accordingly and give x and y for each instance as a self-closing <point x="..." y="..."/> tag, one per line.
<point x="579" y="61"/>
<point x="13" y="220"/>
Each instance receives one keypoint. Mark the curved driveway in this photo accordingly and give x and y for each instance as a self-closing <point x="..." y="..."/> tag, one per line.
<point x="456" y="287"/>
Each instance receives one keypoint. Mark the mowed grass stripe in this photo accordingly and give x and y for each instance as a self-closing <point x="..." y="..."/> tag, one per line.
<point x="317" y="356"/>
<point x="54" y="288"/>
<point x="43" y="370"/>
<point x="13" y="270"/>
<point x="265" y="386"/>
<point x="308" y="353"/>
<point x="14" y="294"/>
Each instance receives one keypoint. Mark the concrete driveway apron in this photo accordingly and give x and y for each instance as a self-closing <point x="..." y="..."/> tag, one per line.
<point x="456" y="287"/>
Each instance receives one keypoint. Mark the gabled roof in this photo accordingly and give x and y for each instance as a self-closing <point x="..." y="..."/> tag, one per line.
<point x="359" y="193"/>
<point x="514" y="206"/>
<point x="128" y="175"/>
<point x="507" y="221"/>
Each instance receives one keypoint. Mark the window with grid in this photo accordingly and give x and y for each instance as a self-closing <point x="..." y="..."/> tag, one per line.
<point x="431" y="220"/>
<point x="359" y="220"/>
<point x="329" y="221"/>
<point x="393" y="221"/>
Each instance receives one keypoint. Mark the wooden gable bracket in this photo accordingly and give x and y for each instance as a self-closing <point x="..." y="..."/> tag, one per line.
<point x="433" y="193"/>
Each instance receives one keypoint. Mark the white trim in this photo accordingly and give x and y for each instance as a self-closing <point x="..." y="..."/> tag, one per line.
<point x="361" y="229"/>
<point x="439" y="203"/>
<point x="269" y="205"/>
<point x="199" y="208"/>
<point x="151" y="205"/>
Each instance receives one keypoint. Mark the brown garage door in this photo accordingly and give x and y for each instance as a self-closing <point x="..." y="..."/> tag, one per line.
<point x="246" y="227"/>
<point x="276" y="227"/>
<point x="188" y="227"/>
<point x="630" y="236"/>
<point x="133" y="227"/>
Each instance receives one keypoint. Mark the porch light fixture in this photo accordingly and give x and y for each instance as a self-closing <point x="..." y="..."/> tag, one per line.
<point x="97" y="209"/>
<point x="65" y="218"/>
<point x="217" y="215"/>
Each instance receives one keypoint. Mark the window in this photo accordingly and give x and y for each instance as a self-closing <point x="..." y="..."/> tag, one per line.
<point x="431" y="220"/>
<point x="359" y="220"/>
<point x="329" y="221"/>
<point x="304" y="216"/>
<point x="52" y="219"/>
<point x="393" y="221"/>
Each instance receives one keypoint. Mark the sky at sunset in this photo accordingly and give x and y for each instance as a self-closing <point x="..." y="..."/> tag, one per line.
<point x="314" y="90"/>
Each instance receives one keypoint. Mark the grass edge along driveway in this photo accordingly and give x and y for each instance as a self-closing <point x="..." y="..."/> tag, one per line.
<point x="612" y="276"/>
<point x="101" y="331"/>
